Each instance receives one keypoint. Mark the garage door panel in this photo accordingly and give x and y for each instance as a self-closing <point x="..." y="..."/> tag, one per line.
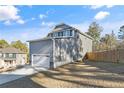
<point x="41" y="61"/>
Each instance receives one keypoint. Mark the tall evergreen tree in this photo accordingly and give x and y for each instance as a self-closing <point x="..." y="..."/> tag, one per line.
<point x="95" y="31"/>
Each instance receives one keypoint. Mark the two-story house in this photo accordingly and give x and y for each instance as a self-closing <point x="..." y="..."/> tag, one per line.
<point x="63" y="45"/>
<point x="10" y="57"/>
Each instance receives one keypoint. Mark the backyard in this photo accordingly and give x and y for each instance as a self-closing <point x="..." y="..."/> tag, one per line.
<point x="78" y="75"/>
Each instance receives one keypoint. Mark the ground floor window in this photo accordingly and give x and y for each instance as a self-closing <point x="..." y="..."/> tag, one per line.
<point x="1" y="55"/>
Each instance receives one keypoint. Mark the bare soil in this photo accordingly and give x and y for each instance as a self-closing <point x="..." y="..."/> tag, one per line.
<point x="76" y="75"/>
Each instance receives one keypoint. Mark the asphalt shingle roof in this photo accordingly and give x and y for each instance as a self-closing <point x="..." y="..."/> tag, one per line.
<point x="11" y="50"/>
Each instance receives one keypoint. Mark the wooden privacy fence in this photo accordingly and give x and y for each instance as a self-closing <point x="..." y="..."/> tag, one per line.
<point x="116" y="56"/>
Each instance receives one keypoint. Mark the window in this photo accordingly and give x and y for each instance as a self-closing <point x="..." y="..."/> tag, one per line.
<point x="8" y="55"/>
<point x="70" y="32"/>
<point x="11" y="55"/>
<point x="14" y="55"/>
<point x="64" y="33"/>
<point x="1" y="55"/>
<point x="59" y="33"/>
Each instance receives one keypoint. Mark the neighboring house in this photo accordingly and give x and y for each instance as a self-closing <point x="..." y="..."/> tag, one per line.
<point x="63" y="45"/>
<point x="10" y="57"/>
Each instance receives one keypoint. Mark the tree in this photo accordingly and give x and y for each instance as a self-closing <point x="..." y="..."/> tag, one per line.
<point x="95" y="31"/>
<point x="108" y="42"/>
<point x="3" y="44"/>
<point x="19" y="45"/>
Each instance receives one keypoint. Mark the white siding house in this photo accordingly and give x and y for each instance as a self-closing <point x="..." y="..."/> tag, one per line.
<point x="12" y="57"/>
<point x="63" y="45"/>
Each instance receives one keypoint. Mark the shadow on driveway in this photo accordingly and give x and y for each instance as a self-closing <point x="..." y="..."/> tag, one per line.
<point x="78" y="75"/>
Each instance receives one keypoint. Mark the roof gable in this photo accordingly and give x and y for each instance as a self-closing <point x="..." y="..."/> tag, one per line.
<point x="61" y="27"/>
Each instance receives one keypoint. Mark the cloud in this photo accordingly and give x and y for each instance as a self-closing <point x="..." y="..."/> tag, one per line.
<point x="110" y="6"/>
<point x="48" y="24"/>
<point x="41" y="16"/>
<point x="101" y="15"/>
<point x="33" y="18"/>
<point x="25" y="34"/>
<point x="7" y="23"/>
<point x="20" y="21"/>
<point x="8" y="14"/>
<point x="100" y="6"/>
<point x="96" y="6"/>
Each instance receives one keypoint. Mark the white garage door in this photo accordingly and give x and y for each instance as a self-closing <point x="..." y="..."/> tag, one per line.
<point x="41" y="60"/>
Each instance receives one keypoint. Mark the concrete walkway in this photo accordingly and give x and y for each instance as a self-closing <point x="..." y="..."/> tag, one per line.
<point x="18" y="73"/>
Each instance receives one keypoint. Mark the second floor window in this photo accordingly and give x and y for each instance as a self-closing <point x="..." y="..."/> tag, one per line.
<point x="69" y="33"/>
<point x="8" y="55"/>
<point x="62" y="33"/>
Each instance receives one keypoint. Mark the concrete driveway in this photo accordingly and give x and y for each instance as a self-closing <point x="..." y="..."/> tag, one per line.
<point x="18" y="73"/>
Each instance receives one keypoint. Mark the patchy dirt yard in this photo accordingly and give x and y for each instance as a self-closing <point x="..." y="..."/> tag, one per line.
<point x="78" y="75"/>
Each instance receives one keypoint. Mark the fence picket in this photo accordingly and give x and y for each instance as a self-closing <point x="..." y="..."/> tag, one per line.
<point x="116" y="55"/>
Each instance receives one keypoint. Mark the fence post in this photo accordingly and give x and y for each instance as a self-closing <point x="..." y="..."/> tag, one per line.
<point x="117" y="55"/>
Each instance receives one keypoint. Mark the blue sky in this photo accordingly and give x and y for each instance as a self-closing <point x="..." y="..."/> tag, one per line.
<point x="32" y="22"/>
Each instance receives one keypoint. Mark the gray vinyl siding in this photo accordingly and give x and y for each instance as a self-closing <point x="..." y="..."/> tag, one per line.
<point x="65" y="51"/>
<point x="84" y="45"/>
<point x="71" y="49"/>
<point x="41" y="47"/>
